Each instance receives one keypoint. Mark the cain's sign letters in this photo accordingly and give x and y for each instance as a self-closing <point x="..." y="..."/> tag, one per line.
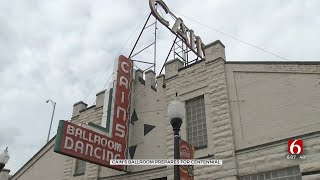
<point x="187" y="35"/>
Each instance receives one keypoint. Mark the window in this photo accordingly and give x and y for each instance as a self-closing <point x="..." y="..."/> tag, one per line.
<point x="291" y="173"/>
<point x="80" y="167"/>
<point x="196" y="122"/>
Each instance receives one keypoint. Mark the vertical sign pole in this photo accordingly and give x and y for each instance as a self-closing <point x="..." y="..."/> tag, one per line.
<point x="155" y="43"/>
<point x="54" y="107"/>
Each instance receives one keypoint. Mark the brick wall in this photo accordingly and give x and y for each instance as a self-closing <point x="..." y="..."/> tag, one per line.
<point x="45" y="164"/>
<point x="274" y="156"/>
<point x="83" y="114"/>
<point x="284" y="98"/>
<point x="214" y="79"/>
<point x="205" y="78"/>
<point x="149" y="103"/>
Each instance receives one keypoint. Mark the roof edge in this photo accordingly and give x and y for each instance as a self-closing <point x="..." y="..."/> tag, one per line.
<point x="34" y="156"/>
<point x="275" y="62"/>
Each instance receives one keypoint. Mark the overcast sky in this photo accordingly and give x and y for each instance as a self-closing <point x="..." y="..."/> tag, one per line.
<point x="64" y="50"/>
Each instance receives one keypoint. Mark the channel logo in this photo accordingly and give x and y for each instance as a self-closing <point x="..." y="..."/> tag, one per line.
<point x="295" y="146"/>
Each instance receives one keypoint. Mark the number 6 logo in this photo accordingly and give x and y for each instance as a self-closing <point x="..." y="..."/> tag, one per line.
<point x="295" y="146"/>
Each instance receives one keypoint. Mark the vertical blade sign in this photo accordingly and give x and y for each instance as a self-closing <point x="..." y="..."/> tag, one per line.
<point x="95" y="144"/>
<point x="121" y="104"/>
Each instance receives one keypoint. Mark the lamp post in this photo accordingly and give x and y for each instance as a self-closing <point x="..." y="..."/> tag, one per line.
<point x="54" y="107"/>
<point x="176" y="112"/>
<point x="4" y="158"/>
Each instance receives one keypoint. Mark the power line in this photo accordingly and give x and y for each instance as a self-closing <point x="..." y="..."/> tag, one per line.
<point x="118" y="52"/>
<point x="235" y="38"/>
<point x="107" y="81"/>
<point x="95" y="86"/>
<point x="104" y="85"/>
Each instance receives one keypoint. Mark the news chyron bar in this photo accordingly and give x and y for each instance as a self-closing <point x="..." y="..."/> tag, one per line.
<point x="168" y="162"/>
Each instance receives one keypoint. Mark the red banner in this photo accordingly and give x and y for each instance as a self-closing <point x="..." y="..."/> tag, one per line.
<point x="186" y="152"/>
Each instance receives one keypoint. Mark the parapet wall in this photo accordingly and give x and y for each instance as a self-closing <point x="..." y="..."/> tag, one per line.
<point x="207" y="78"/>
<point x="272" y="102"/>
<point x="147" y="112"/>
<point x="246" y="130"/>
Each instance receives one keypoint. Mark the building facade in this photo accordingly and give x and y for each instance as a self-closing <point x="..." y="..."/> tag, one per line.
<point x="4" y="174"/>
<point x="241" y="112"/>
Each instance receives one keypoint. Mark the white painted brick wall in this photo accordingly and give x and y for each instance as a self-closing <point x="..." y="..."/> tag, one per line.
<point x="208" y="75"/>
<point x="206" y="78"/>
<point x="274" y="157"/>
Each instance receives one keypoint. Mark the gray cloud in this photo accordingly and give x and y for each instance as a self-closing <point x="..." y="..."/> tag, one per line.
<point x="9" y="135"/>
<point x="61" y="50"/>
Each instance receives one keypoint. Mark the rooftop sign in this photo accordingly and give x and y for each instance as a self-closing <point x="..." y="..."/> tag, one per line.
<point x="193" y="42"/>
<point x="120" y="108"/>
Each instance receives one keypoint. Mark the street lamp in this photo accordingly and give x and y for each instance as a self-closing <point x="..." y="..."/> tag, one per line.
<point x="176" y="112"/>
<point x="4" y="158"/>
<point x="54" y="107"/>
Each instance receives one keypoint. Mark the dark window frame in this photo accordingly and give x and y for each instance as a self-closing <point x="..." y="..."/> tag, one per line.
<point x="196" y="122"/>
